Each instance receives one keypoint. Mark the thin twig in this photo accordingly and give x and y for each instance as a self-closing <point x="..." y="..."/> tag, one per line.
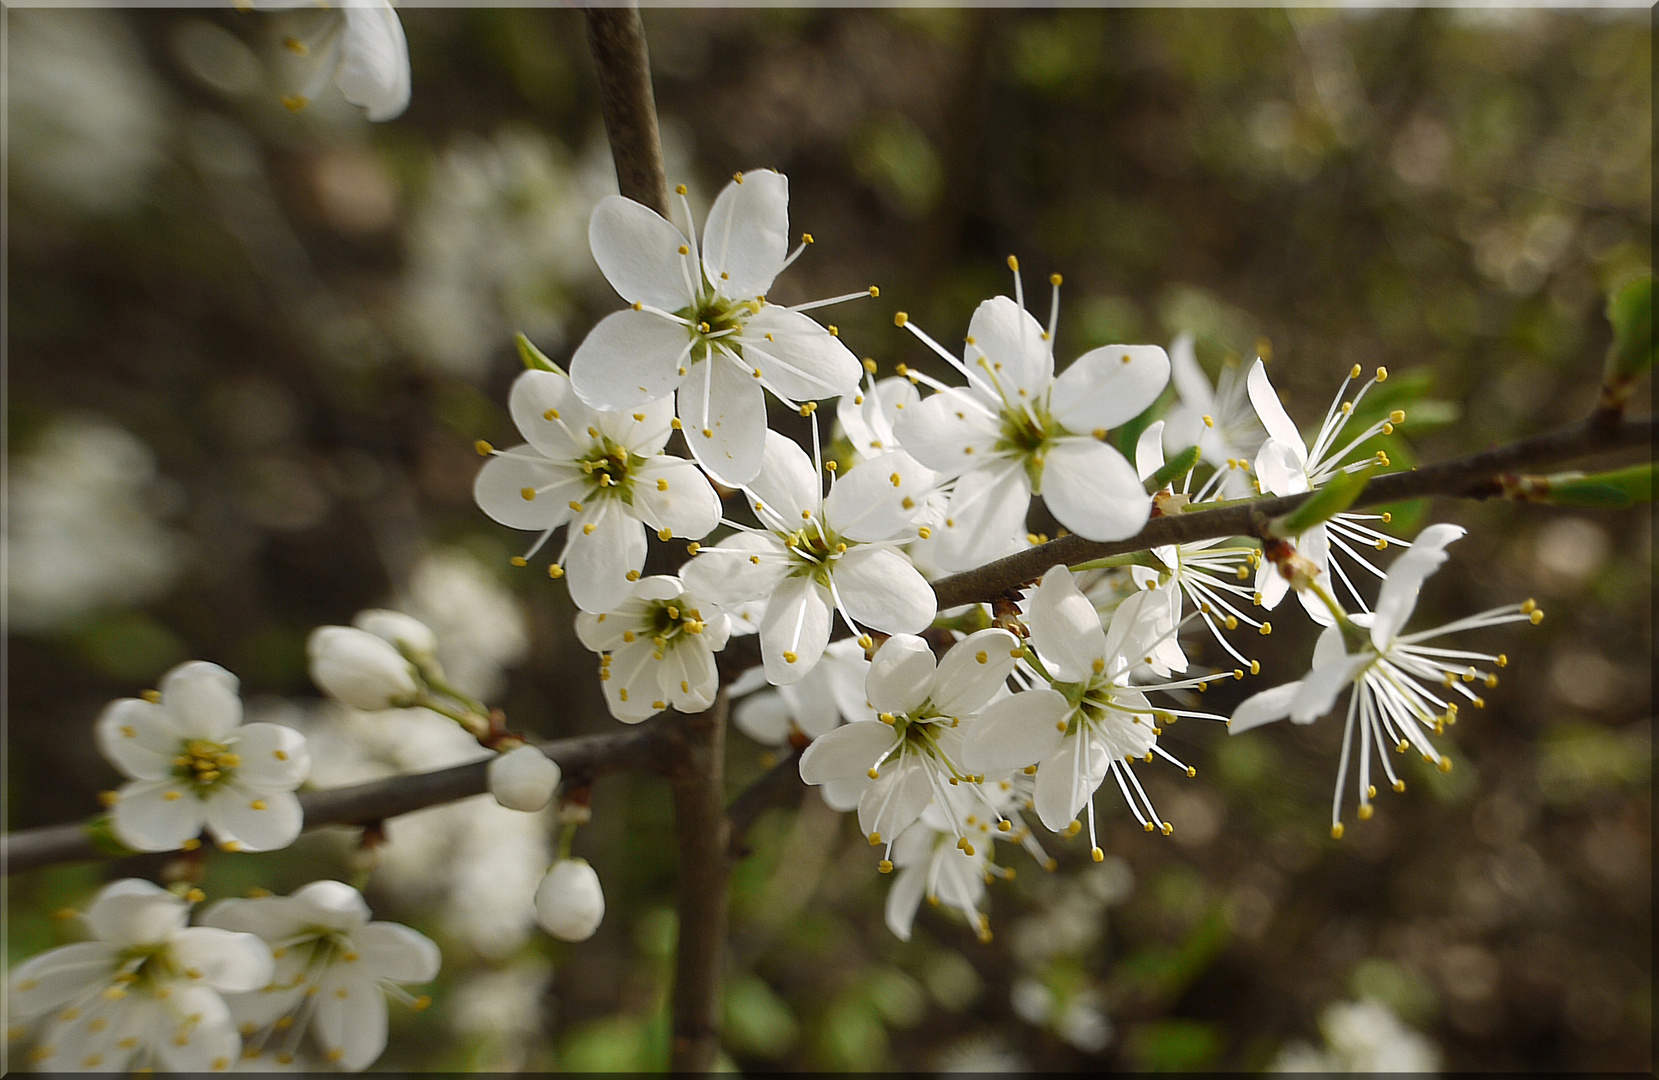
<point x="617" y="40"/>
<point x="649" y="747"/>
<point x="700" y="830"/>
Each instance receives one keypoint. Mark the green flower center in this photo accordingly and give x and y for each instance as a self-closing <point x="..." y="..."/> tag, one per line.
<point x="1027" y="433"/>
<point x="204" y="765"/>
<point x="611" y="467"/>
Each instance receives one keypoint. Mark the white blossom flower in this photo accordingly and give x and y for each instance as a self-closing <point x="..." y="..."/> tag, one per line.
<point x="657" y="649"/>
<point x="360" y="669"/>
<point x="912" y="755"/>
<point x="569" y="902"/>
<point x="1221" y="421"/>
<point x="1361" y="1037"/>
<point x="701" y="326"/>
<point x="408" y="633"/>
<point x="930" y="864"/>
<point x="334" y="969"/>
<point x="192" y="762"/>
<point x="361" y="46"/>
<point x="602" y="473"/>
<point x="830" y="694"/>
<point x="1398" y="681"/>
<point x="145" y="993"/>
<point x="1095" y="718"/>
<point x="1286" y="465"/>
<point x="524" y="779"/>
<point x="820" y="554"/>
<point x="1016" y="430"/>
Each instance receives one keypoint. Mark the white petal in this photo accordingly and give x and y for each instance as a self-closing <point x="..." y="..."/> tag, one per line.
<point x="987" y="509"/>
<point x="812" y="701"/>
<point x="52" y="979"/>
<point x="847" y="753"/>
<point x="1279" y="469"/>
<point x="597" y="562"/>
<point x="725" y="401"/>
<point x="671" y="493"/>
<point x="133" y="912"/>
<point x="764" y="717"/>
<point x="797" y="622"/>
<point x="502" y="482"/>
<point x="1272" y="413"/>
<point x="257" y="820"/>
<point x="333" y="905"/>
<point x="798" y="358"/>
<point x="901" y="674"/>
<point x="787" y="485"/>
<point x="1009" y="351"/>
<point x="1021" y="729"/>
<point x="1066" y="779"/>
<point x="1065" y="628"/>
<point x="746" y="236"/>
<point x="1149" y="450"/>
<point x="200" y="1037"/>
<point x="738" y="569"/>
<point x="868" y="503"/>
<point x="882" y="590"/>
<point x="869" y="425"/>
<point x="394" y="953"/>
<point x="644" y="430"/>
<point x="138" y="738"/>
<point x="1324" y="684"/>
<point x="688" y="676"/>
<point x="903" y="898"/>
<point x="1271" y="584"/>
<point x="1263" y="708"/>
<point x="1109" y="386"/>
<point x="639" y="254"/>
<point x="144" y="819"/>
<point x="203" y="698"/>
<point x="374" y="60"/>
<point x="549" y="415"/>
<point x="973" y="671"/>
<point x="629" y="359"/>
<point x="842" y="795"/>
<point x="892" y="803"/>
<point x="1093" y="491"/>
<point x="1191" y="384"/>
<point x="949" y="432"/>
<point x="1397" y="598"/>
<point x="632" y="686"/>
<point x="350" y="1022"/>
<point x="229" y="962"/>
<point x="273" y="756"/>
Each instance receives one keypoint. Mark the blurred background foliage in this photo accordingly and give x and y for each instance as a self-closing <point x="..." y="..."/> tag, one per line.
<point x="250" y="351"/>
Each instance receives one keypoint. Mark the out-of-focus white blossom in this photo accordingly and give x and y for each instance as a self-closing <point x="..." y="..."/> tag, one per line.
<point x="1220" y="421"/>
<point x="569" y="902"/>
<point x="408" y="633"/>
<point x="360" y="45"/>
<point x="1361" y="1037"/>
<point x="360" y="669"/>
<point x="479" y="624"/>
<point x="191" y="763"/>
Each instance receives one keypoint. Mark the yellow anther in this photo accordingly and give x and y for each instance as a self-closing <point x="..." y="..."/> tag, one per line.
<point x="1013" y="264"/>
<point x="708" y="433"/>
<point x="693" y="548"/>
<point x="1537" y="616"/>
<point x="639" y="305"/>
<point x="1266" y="629"/>
<point x="755" y="559"/>
<point x="1382" y="374"/>
<point x="231" y="845"/>
<point x="1238" y="673"/>
<point x="484" y="449"/>
<point x="1478" y="702"/>
<point x="192" y="844"/>
<point x="659" y="705"/>
<point x="1336" y="831"/>
<point x="107" y="799"/>
<point x="789" y="657"/>
<point x="899" y="319"/>
<point x="1255" y="667"/>
<point x="665" y="533"/>
<point x="152" y="696"/>
<point x="527" y="494"/>
<point x="1209" y="421"/>
<point x="1387" y="517"/>
<point x="1444" y="764"/>
<point x="884" y="867"/>
<point x="684" y="250"/>
<point x="1365" y="811"/>
<point x="675" y="424"/>
<point x="1231" y="622"/>
<point x="519" y="560"/>
<point x="1353" y="372"/>
<point x="587" y="530"/>
<point x="257" y="804"/>
<point x="294" y="102"/>
<point x="172" y="796"/>
<point x="1382" y="543"/>
<point x="555" y="571"/>
<point x="908" y="503"/>
<point x="924" y="532"/>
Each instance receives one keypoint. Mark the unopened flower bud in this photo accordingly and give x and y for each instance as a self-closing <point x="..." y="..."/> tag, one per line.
<point x="523" y="779"/>
<point x="358" y="668"/>
<point x="402" y="630"/>
<point x="569" y="902"/>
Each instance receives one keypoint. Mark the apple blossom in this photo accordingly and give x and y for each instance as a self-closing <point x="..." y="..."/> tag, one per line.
<point x="656" y="649"/>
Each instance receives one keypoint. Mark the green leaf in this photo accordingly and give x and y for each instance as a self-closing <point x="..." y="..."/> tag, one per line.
<point x="1175" y="468"/>
<point x="1621" y="487"/>
<point x="102" y="833"/>
<point x="1630" y="310"/>
<point x="534" y="359"/>
<point x="758" y="1021"/>
<point x="1329" y="501"/>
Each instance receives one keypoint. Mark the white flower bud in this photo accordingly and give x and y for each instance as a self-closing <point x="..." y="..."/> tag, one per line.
<point x="569" y="903"/>
<point x="399" y="629"/>
<point x="523" y="779"/>
<point x="358" y="668"/>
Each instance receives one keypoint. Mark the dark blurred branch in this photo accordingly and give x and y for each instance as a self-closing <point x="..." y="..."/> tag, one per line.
<point x="649" y="747"/>
<point x="1473" y="476"/>
<point x="772" y="788"/>
<point x="617" y="40"/>
<point x="700" y="830"/>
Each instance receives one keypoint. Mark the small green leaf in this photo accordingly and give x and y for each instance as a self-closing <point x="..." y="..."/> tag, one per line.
<point x="534" y="359"/>
<point x="1175" y="468"/>
<point x="1329" y="501"/>
<point x="102" y="833"/>
<point x="1621" y="487"/>
<point x="1630" y="310"/>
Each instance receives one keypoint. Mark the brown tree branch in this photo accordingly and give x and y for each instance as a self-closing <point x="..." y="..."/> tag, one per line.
<point x="617" y="39"/>
<point x="1471" y="476"/>
<point x="701" y="830"/>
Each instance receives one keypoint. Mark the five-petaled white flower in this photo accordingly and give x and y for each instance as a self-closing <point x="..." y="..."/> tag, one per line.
<point x="657" y="649"/>
<point x="1093" y="718"/>
<point x="913" y="753"/>
<point x="1016" y="429"/>
<point x="1397" y="680"/>
<point x="145" y="993"/>
<point x="701" y="324"/>
<point x="333" y="971"/>
<point x="820" y="554"/>
<point x="1286" y="465"/>
<point x="361" y="46"/>
<point x="602" y="473"/>
<point x="192" y="762"/>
